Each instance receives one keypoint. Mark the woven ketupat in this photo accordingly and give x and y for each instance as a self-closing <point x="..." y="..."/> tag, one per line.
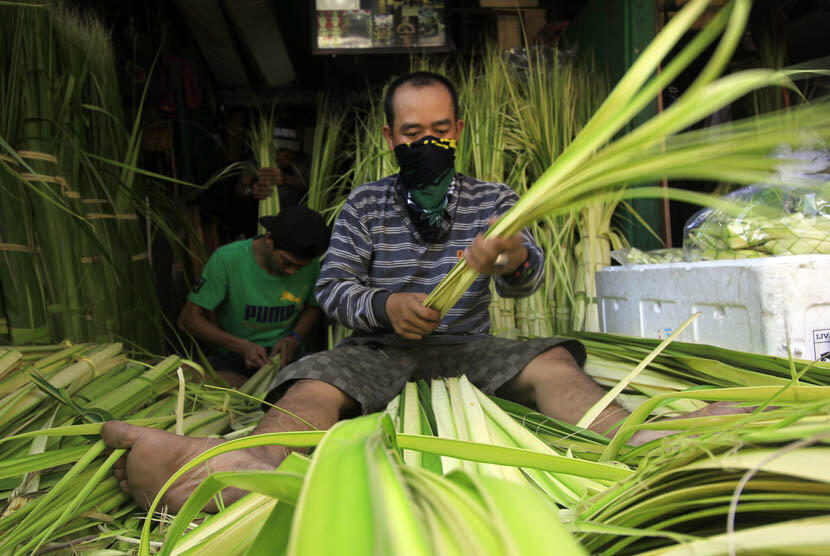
<point x="769" y="221"/>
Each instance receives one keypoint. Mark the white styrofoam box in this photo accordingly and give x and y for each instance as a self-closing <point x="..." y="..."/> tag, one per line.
<point x="755" y="305"/>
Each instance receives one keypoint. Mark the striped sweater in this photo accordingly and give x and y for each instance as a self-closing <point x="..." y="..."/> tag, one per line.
<point x="375" y="250"/>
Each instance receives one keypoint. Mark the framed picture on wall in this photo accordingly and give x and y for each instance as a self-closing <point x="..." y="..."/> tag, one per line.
<point x="377" y="26"/>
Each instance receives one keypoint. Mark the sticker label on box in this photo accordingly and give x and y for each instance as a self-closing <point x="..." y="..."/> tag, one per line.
<point x="821" y="344"/>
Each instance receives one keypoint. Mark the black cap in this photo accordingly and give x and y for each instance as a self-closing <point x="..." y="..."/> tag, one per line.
<point x="298" y="230"/>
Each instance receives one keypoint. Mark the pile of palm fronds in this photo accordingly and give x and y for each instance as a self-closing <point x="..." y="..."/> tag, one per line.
<point x="55" y="477"/>
<point x="445" y="469"/>
<point x="480" y="487"/>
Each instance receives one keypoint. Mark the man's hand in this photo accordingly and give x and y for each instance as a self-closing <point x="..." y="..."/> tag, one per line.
<point x="409" y="317"/>
<point x="286" y="348"/>
<point x="482" y="254"/>
<point x="254" y="355"/>
<point x="264" y="185"/>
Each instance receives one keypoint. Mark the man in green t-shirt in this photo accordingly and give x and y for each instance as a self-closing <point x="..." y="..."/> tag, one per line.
<point x="255" y="298"/>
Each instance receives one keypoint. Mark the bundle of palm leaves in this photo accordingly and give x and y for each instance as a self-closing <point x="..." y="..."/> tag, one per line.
<point x="76" y="261"/>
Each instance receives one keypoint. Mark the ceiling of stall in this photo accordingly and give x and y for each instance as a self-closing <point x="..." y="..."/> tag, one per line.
<point x="241" y="42"/>
<point x="265" y="45"/>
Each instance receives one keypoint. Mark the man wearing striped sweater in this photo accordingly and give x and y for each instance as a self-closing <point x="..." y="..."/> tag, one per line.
<point x="393" y="242"/>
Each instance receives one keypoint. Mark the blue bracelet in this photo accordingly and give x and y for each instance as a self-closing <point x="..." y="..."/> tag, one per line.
<point x="296" y="337"/>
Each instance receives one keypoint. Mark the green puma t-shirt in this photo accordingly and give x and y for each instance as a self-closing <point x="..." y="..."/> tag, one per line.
<point x="251" y="303"/>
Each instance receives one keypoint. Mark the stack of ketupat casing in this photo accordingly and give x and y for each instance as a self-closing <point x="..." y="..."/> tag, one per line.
<point x="75" y="262"/>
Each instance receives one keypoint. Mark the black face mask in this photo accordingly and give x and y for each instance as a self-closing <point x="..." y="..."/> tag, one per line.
<point x="427" y="170"/>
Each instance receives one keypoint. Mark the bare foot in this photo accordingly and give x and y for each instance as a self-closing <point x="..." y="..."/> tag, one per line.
<point x="154" y="455"/>
<point x="718" y="408"/>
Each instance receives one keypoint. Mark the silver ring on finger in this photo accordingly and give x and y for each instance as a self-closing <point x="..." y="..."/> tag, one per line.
<point x="501" y="261"/>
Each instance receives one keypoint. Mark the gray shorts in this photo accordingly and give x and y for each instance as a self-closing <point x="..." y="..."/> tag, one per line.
<point x="373" y="374"/>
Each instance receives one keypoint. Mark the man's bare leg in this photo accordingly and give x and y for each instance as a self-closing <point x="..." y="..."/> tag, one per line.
<point x="154" y="455"/>
<point x="560" y="389"/>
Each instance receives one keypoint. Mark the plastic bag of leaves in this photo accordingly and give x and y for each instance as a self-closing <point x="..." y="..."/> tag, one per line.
<point x="789" y="217"/>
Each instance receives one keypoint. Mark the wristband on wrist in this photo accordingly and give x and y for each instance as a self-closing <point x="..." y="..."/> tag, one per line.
<point x="296" y="337"/>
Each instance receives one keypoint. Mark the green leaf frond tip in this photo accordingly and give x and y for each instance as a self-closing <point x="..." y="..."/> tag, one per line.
<point x="756" y="394"/>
